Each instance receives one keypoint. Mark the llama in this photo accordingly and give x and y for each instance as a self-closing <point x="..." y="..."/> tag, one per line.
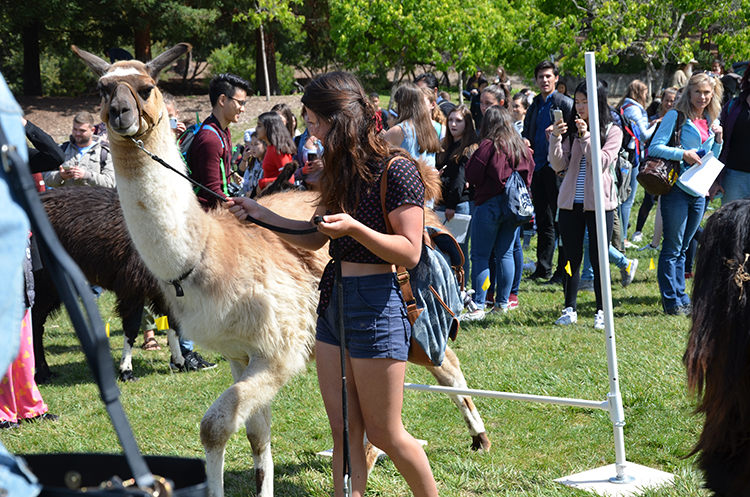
<point x="247" y="294"/>
<point x="717" y="356"/>
<point x="90" y="225"/>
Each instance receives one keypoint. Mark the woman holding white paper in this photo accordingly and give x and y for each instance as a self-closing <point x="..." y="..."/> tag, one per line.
<point x="682" y="209"/>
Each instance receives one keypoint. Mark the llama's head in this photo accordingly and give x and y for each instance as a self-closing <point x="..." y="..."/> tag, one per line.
<point x="131" y="104"/>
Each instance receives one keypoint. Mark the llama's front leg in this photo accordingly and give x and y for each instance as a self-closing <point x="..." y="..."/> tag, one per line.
<point x="252" y="392"/>
<point x="258" y="429"/>
<point x="131" y="326"/>
<point x="449" y="374"/>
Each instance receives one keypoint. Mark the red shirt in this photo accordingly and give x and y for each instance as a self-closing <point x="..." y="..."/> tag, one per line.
<point x="273" y="163"/>
<point x="206" y="153"/>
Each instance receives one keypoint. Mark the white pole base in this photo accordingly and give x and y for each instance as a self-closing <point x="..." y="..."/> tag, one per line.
<point x="602" y="480"/>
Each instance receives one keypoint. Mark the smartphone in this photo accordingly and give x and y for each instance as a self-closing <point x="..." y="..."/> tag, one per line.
<point x="312" y="157"/>
<point x="173" y="122"/>
<point x="558" y="114"/>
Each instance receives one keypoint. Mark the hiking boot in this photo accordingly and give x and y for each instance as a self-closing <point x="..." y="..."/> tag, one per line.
<point x="628" y="272"/>
<point x="193" y="362"/>
<point x="569" y="316"/>
<point x="599" y="320"/>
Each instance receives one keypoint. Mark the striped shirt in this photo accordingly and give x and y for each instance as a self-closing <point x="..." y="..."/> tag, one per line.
<point x="580" y="182"/>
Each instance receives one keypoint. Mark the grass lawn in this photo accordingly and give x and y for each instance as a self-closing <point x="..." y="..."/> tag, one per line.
<point x="520" y="352"/>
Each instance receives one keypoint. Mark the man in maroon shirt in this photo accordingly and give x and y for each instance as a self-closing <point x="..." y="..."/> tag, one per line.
<point x="211" y="151"/>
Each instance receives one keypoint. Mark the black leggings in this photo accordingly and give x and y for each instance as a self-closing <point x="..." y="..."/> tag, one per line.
<point x="573" y="224"/>
<point x="648" y="202"/>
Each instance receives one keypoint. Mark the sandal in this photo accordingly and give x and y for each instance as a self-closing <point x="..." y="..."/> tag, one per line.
<point x="149" y="342"/>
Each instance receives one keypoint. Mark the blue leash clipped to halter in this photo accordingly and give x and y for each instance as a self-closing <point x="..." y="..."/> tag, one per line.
<point x="339" y="288"/>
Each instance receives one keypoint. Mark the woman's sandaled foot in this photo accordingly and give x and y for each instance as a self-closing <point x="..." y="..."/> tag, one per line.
<point x="150" y="343"/>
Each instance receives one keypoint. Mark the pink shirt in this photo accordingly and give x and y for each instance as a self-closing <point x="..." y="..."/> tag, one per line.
<point x="702" y="125"/>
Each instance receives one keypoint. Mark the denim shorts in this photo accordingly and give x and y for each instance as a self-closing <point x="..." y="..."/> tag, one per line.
<point x="375" y="322"/>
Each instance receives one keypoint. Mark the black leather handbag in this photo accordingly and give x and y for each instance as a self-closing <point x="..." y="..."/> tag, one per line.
<point x="99" y="475"/>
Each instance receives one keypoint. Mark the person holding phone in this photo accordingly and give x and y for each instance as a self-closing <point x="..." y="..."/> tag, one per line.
<point x="546" y="184"/>
<point x="570" y="153"/>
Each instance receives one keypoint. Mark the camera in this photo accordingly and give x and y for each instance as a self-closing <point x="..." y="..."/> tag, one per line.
<point x="311" y="157"/>
<point x="173" y="122"/>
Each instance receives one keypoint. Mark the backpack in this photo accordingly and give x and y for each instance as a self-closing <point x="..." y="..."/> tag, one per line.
<point x="631" y="131"/>
<point x="185" y="141"/>
<point x="103" y="151"/>
<point x="430" y="290"/>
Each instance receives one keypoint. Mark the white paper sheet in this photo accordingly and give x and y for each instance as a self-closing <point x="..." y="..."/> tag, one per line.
<point x="458" y="225"/>
<point x="700" y="178"/>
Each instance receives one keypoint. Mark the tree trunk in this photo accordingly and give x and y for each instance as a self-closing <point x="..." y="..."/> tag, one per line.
<point x="32" y="76"/>
<point x="265" y="63"/>
<point x="186" y="71"/>
<point x="650" y="72"/>
<point x="267" y="39"/>
<point x="460" y="87"/>
<point x="143" y="43"/>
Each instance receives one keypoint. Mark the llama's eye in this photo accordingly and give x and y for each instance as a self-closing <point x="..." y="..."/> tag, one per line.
<point x="145" y="93"/>
<point x="103" y="93"/>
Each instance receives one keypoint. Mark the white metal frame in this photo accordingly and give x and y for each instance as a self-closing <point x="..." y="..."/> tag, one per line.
<point x="613" y="404"/>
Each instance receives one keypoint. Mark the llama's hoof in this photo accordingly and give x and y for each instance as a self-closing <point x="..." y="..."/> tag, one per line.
<point x="127" y="376"/>
<point x="481" y="443"/>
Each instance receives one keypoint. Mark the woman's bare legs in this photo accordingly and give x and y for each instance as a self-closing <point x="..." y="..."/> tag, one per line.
<point x="375" y="393"/>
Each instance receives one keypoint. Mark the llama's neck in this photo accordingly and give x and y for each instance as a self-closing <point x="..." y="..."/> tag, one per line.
<point x="162" y="213"/>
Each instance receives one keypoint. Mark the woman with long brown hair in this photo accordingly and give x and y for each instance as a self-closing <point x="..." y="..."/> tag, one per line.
<point x="500" y="152"/>
<point x="414" y="131"/>
<point x="377" y="330"/>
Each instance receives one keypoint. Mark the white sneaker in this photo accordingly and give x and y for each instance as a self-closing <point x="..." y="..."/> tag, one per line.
<point x="628" y="272"/>
<point x="569" y="316"/>
<point x="637" y="237"/>
<point x="599" y="320"/>
<point x="629" y="245"/>
<point x="477" y="315"/>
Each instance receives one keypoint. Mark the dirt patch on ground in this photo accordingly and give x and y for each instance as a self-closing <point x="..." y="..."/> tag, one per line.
<point x="55" y="114"/>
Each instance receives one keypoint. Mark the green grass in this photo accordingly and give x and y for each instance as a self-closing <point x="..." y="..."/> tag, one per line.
<point x="520" y="352"/>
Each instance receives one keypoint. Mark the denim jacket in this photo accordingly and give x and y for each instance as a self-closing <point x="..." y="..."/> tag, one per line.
<point x="690" y="139"/>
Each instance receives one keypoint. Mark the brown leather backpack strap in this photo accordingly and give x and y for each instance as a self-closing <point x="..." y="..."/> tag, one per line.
<point x="402" y="274"/>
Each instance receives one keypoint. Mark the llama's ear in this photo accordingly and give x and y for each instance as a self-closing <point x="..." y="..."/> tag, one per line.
<point x="95" y="63"/>
<point x="155" y="66"/>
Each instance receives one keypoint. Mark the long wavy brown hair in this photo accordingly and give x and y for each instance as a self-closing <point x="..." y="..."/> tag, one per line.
<point x="352" y="142"/>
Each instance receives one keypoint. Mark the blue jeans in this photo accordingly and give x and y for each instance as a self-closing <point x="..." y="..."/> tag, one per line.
<point x="490" y="230"/>
<point x="627" y="206"/>
<point x="681" y="215"/>
<point x="615" y="257"/>
<point x="518" y="261"/>
<point x="14" y="229"/>
<point x="736" y="185"/>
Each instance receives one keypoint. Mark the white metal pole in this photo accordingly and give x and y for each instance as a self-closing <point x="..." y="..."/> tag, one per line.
<point x="616" y="412"/>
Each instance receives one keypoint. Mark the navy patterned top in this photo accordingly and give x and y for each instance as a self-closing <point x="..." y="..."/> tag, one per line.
<point x="404" y="187"/>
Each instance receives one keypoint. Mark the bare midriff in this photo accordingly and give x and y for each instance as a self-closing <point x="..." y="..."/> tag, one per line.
<point x="360" y="269"/>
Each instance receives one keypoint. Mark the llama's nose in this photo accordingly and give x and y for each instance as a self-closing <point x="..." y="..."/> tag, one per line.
<point x="120" y="115"/>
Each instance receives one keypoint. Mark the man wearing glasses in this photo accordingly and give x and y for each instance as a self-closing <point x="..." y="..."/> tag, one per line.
<point x="210" y="155"/>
